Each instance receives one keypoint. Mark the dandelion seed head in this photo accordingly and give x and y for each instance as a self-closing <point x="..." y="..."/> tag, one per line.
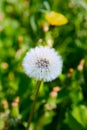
<point x="42" y="63"/>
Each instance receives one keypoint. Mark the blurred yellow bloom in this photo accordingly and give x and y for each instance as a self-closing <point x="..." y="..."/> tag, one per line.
<point x="55" y="18"/>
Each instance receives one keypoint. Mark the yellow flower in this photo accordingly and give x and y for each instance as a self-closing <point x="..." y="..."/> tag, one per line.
<point x="56" y="19"/>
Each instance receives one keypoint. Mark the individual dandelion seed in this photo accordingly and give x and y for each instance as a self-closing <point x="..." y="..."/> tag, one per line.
<point x="42" y="63"/>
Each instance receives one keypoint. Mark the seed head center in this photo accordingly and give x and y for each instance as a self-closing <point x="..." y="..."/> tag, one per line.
<point x="42" y="63"/>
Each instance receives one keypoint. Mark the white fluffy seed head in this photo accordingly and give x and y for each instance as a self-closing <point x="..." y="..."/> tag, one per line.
<point x="42" y="63"/>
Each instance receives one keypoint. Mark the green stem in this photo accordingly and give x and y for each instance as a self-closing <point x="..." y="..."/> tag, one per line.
<point x="33" y="105"/>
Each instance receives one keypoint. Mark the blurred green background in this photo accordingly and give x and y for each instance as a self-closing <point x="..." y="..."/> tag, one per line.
<point x="62" y="103"/>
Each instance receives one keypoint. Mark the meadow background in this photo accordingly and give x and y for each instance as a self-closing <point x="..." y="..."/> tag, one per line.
<point x="62" y="103"/>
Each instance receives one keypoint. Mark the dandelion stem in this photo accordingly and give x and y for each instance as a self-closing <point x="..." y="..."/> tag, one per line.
<point x="33" y="105"/>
